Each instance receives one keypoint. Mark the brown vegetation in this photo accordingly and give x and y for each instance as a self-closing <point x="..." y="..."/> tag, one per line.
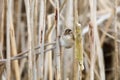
<point x="30" y="40"/>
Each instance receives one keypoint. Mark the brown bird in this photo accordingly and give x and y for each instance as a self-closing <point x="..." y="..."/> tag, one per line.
<point x="67" y="38"/>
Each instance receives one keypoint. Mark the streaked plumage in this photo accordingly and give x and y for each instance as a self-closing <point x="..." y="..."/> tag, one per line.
<point x="67" y="38"/>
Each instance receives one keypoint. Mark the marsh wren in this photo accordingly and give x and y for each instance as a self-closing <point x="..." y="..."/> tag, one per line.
<point x="67" y="38"/>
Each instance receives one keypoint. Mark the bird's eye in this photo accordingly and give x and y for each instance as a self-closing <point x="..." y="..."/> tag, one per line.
<point x="67" y="31"/>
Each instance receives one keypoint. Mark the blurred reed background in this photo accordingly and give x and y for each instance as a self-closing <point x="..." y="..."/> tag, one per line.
<point x="30" y="32"/>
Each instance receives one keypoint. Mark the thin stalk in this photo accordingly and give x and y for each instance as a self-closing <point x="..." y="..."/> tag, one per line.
<point x="18" y="9"/>
<point x="92" y="51"/>
<point x="41" y="38"/>
<point x="57" y="28"/>
<point x="50" y="53"/>
<point x="14" y="52"/>
<point x="29" y="26"/>
<point x="23" y="47"/>
<point x="75" y="60"/>
<point x="32" y="7"/>
<point x="2" y="10"/>
<point x="8" y="65"/>
<point x="116" y="59"/>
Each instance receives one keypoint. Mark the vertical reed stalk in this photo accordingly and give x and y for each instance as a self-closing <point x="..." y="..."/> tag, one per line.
<point x="29" y="27"/>
<point x="92" y="51"/>
<point x="9" y="12"/>
<point x="116" y="61"/>
<point x="57" y="28"/>
<point x="41" y="38"/>
<point x="14" y="51"/>
<point x="2" y="16"/>
<point x="18" y="9"/>
<point x="32" y="7"/>
<point x="50" y="39"/>
<point x="75" y="60"/>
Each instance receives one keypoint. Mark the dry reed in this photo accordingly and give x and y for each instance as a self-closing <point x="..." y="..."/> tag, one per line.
<point x="30" y="32"/>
